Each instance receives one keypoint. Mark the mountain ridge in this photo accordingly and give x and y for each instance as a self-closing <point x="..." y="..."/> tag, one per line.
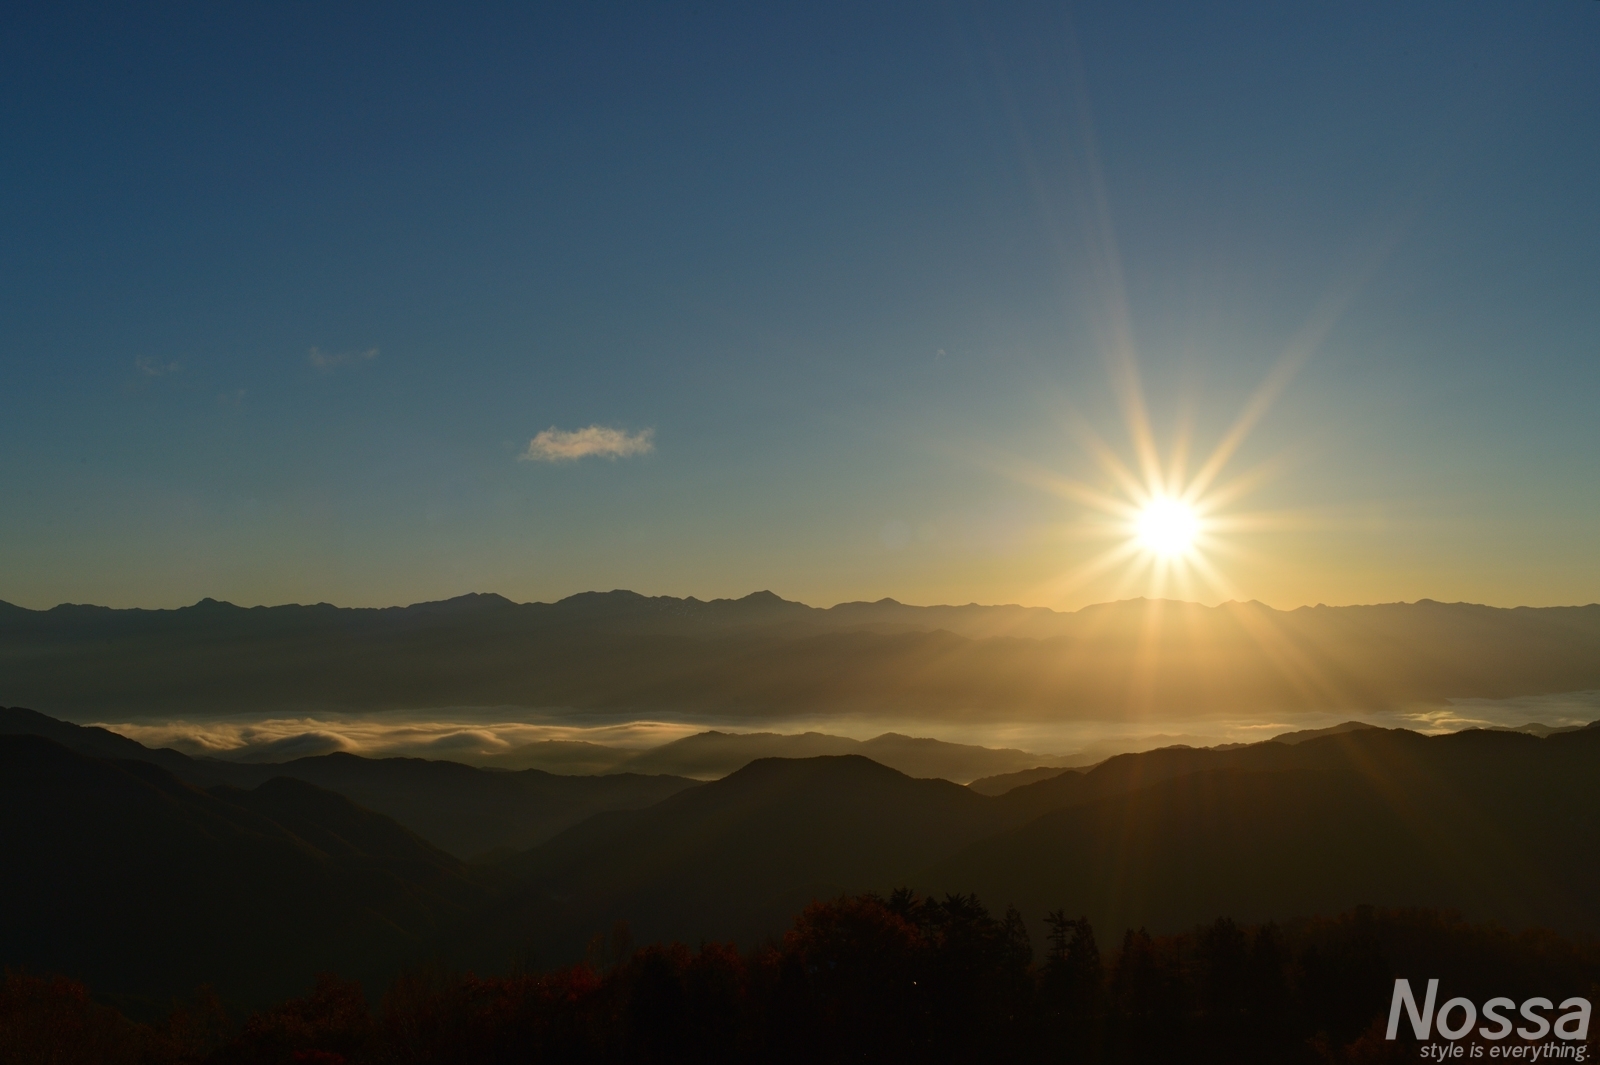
<point x="1504" y="826"/>
<point x="763" y="656"/>
<point x="461" y="809"/>
<point x="119" y="873"/>
<point x="1501" y="825"/>
<point x="108" y="855"/>
<point x="725" y="860"/>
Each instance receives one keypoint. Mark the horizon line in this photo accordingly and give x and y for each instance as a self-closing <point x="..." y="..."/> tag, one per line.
<point x="764" y="593"/>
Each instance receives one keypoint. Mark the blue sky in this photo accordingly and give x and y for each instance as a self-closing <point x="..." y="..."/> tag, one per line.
<point x="287" y="291"/>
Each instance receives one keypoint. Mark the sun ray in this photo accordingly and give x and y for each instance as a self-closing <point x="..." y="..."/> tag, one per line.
<point x="1169" y="527"/>
<point x="1108" y="559"/>
<point x="1108" y="459"/>
<point x="1240" y="486"/>
<point x="1269" y="390"/>
<point x="1177" y="467"/>
<point x="1142" y="489"/>
<point x="1047" y="480"/>
<point x="1214" y="576"/>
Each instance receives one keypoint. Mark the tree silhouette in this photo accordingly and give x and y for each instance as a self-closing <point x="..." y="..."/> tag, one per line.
<point x="1071" y="990"/>
<point x="863" y="978"/>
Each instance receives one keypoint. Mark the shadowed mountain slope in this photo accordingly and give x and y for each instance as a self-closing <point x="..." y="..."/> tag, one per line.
<point x="469" y="811"/>
<point x="118" y="873"/>
<point x="1001" y="783"/>
<point x="1452" y="761"/>
<point x="762" y="654"/>
<point x="732" y="858"/>
<point x="103" y="743"/>
<point x="465" y="811"/>
<point x="1500" y="825"/>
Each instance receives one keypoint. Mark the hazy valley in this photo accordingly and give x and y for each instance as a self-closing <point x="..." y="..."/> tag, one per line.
<point x="602" y="655"/>
<point x="1500" y="825"/>
<point x="282" y="836"/>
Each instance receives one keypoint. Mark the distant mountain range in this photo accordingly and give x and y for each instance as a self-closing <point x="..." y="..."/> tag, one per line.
<point x="617" y="651"/>
<point x="121" y="871"/>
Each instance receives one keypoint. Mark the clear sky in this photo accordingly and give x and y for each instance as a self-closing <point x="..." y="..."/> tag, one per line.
<point x="288" y="294"/>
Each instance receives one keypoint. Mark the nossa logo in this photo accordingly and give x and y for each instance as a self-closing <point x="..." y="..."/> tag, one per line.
<point x="1456" y="1018"/>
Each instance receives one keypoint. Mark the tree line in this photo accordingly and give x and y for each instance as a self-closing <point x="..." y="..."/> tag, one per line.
<point x="866" y="978"/>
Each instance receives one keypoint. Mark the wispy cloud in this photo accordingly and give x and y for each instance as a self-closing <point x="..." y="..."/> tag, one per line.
<point x="568" y="445"/>
<point x="331" y="360"/>
<point x="154" y="367"/>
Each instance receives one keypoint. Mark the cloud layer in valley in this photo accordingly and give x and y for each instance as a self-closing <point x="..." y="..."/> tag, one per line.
<point x="567" y="445"/>
<point x="471" y="741"/>
<point x="479" y="736"/>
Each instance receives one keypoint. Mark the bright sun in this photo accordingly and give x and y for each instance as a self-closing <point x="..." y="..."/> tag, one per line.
<point x="1167" y="527"/>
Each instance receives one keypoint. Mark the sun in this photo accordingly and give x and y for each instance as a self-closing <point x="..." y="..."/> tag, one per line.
<point x="1167" y="528"/>
<point x="1170" y="515"/>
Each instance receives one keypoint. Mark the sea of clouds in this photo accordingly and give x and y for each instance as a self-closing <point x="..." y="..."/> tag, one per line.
<point x="277" y="739"/>
<point x="485" y="735"/>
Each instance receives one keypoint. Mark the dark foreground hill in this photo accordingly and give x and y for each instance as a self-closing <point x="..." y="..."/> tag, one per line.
<point x="465" y="811"/>
<point x="1515" y="846"/>
<point x="119" y="873"/>
<point x="764" y="655"/>
<point x="730" y="859"/>
<point x="902" y="979"/>
<point x="96" y="742"/>
<point x="1502" y="826"/>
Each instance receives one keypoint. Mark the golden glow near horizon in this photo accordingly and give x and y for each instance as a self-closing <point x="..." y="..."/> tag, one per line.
<point x="1166" y="519"/>
<point x="1167" y="523"/>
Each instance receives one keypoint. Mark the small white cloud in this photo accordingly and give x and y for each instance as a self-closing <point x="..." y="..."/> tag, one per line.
<point x="154" y="367"/>
<point x="566" y="445"/>
<point x="326" y="360"/>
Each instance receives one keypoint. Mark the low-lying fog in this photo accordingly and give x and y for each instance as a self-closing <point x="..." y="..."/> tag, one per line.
<point x="570" y="742"/>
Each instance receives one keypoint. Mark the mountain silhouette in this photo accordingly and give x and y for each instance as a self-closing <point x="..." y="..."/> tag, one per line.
<point x="765" y="655"/>
<point x="1496" y="826"/>
<point x="98" y="742"/>
<point x="732" y="857"/>
<point x="1000" y="783"/>
<point x="468" y="811"/>
<point x="121" y="874"/>
<point x="1501" y="826"/>
<point x="465" y="811"/>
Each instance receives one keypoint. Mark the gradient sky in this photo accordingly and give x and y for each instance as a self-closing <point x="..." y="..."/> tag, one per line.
<point x="286" y="291"/>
